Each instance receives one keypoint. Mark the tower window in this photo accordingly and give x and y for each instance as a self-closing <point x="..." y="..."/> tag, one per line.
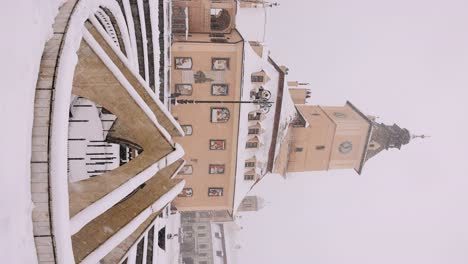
<point x="321" y="147"/>
<point x="299" y="149"/>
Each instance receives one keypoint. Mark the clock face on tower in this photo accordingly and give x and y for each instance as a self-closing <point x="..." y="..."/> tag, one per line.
<point x="345" y="147"/>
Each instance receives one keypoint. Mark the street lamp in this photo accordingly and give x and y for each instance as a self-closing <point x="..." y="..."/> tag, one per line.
<point x="264" y="104"/>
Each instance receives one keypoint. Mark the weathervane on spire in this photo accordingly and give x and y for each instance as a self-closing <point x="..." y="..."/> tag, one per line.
<point x="419" y="136"/>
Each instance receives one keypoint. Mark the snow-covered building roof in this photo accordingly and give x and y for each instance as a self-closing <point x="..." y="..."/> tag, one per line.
<point x="273" y="124"/>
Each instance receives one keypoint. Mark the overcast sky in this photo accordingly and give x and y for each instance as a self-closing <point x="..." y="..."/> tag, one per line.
<point x="407" y="62"/>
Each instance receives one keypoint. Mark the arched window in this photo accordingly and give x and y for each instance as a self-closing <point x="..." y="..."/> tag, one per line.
<point x="220" y="19"/>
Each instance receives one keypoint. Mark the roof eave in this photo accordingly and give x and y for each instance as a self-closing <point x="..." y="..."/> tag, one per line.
<point x="369" y="132"/>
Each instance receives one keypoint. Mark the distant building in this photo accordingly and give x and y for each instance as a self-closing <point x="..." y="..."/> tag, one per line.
<point x="203" y="236"/>
<point x="199" y="235"/>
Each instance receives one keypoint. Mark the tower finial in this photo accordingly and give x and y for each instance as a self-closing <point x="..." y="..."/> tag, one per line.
<point x="420" y="136"/>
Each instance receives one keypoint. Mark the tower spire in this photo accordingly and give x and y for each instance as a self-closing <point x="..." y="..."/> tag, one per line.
<point x="419" y="136"/>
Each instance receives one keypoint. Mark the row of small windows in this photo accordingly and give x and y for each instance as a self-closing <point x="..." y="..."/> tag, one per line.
<point x="217" y="89"/>
<point x="212" y="192"/>
<point x="344" y="148"/>
<point x="213" y="169"/>
<point x="219" y="118"/>
<point x="220" y="169"/>
<point x="217" y="64"/>
<point x="300" y="149"/>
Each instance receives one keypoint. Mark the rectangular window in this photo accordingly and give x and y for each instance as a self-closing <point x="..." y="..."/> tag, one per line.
<point x="187" y="260"/>
<point x="218" y="40"/>
<point x="249" y="164"/>
<point x="216" y="35"/>
<point x="202" y="235"/>
<point x="204" y="214"/>
<point x="299" y="149"/>
<point x="254" y="131"/>
<point x="188" y="130"/>
<point x="321" y="147"/>
<point x="201" y="227"/>
<point x="219" y="253"/>
<point x="218" y="235"/>
<point x="216" y="191"/>
<point x="219" y="114"/>
<point x="220" y="64"/>
<point x="203" y="246"/>
<point x="257" y="78"/>
<point x="251" y="145"/>
<point x="188" y="235"/>
<point x="217" y="168"/>
<point x="219" y="89"/>
<point x="248" y="177"/>
<point x="183" y="89"/>
<point x="186" y="170"/>
<point x="203" y="254"/>
<point x="217" y="144"/>
<point x="139" y="253"/>
<point x="186" y="192"/>
<point x="183" y="63"/>
<point x="149" y="246"/>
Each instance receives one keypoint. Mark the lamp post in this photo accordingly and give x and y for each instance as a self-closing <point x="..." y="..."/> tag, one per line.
<point x="264" y="104"/>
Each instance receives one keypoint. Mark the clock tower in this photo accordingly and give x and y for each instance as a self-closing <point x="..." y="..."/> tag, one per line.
<point x="324" y="138"/>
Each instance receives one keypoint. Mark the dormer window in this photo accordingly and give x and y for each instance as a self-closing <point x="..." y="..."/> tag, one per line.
<point x="251" y="145"/>
<point x="249" y="164"/>
<point x="254" y="131"/>
<point x="254" y="116"/>
<point x="248" y="177"/>
<point x="257" y="78"/>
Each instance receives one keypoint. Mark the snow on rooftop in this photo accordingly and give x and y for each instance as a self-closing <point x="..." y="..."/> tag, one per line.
<point x="288" y="113"/>
<point x="231" y="241"/>
<point x="253" y="63"/>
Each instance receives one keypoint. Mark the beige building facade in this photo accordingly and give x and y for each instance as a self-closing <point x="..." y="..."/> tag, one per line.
<point x="205" y="71"/>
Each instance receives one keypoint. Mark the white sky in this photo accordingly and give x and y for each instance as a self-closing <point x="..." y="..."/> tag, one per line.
<point x="407" y="62"/>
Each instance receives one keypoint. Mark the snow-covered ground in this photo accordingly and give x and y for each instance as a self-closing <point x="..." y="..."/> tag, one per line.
<point x="25" y="26"/>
